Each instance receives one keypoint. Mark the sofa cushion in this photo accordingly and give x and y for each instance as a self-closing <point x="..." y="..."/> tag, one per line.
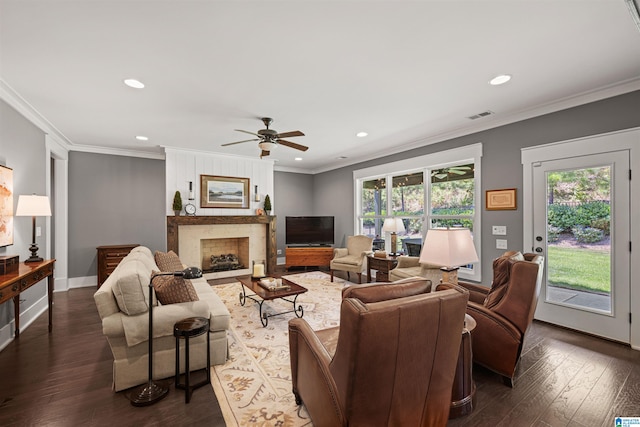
<point x="501" y="274"/>
<point x="168" y="261"/>
<point x="131" y="286"/>
<point x="349" y="260"/>
<point x="172" y="289"/>
<point x="386" y="291"/>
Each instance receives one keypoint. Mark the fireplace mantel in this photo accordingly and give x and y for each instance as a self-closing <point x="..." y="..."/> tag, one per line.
<point x="174" y="222"/>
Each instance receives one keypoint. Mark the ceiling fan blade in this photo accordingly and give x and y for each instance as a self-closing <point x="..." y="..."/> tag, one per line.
<point x="246" y="131"/>
<point x="239" y="142"/>
<point x="292" y="145"/>
<point x="289" y="134"/>
<point x="264" y="153"/>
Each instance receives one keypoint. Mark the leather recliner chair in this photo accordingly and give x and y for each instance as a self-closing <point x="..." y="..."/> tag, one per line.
<point x="504" y="312"/>
<point x="391" y="361"/>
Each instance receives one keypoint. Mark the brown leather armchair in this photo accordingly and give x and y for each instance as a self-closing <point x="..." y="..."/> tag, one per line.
<point x="390" y="362"/>
<point x="504" y="312"/>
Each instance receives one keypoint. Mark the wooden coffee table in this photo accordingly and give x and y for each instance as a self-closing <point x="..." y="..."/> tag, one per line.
<point x="260" y="295"/>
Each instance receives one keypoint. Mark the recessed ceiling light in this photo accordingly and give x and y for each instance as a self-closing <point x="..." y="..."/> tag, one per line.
<point x="341" y="157"/>
<point x="142" y="138"/>
<point x="298" y="159"/>
<point x="361" y="134"/>
<point x="136" y="84"/>
<point x="499" y="80"/>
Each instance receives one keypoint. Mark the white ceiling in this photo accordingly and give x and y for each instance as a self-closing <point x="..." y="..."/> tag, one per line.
<point x="407" y="72"/>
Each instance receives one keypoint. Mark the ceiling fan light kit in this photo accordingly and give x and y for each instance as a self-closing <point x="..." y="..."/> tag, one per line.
<point x="268" y="139"/>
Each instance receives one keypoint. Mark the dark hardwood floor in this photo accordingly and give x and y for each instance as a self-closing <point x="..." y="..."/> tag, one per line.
<point x="64" y="379"/>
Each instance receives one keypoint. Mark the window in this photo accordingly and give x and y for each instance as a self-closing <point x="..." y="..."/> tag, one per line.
<point x="446" y="183"/>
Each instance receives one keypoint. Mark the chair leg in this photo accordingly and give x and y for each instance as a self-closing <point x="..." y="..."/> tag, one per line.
<point x="332" y="275"/>
<point x="508" y="381"/>
<point x="348" y="276"/>
<point x="359" y="278"/>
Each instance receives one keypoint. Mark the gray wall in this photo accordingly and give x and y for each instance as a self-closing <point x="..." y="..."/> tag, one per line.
<point x="113" y="200"/>
<point x="501" y="167"/>
<point x="293" y="193"/>
<point x="22" y="148"/>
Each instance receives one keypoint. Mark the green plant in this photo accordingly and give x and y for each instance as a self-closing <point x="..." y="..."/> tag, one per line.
<point x="553" y="233"/>
<point x="177" y="201"/>
<point x="267" y="203"/>
<point x="603" y="224"/>
<point x="587" y="234"/>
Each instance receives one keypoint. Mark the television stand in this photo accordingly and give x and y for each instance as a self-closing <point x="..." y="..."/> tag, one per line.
<point x="309" y="256"/>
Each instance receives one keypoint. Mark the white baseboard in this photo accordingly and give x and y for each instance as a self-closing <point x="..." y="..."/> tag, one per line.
<point x="83" y="282"/>
<point x="7" y="333"/>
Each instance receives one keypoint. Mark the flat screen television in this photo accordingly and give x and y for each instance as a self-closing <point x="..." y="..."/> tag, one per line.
<point x="309" y="230"/>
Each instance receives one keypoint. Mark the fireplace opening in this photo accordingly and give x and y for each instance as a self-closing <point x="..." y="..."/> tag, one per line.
<point x="224" y="254"/>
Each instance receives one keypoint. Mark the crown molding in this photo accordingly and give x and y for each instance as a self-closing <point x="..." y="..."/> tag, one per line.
<point x="118" y="152"/>
<point x="492" y="122"/>
<point x="18" y="103"/>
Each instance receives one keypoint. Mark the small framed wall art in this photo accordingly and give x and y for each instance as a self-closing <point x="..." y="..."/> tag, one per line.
<point x="224" y="192"/>
<point x="501" y="200"/>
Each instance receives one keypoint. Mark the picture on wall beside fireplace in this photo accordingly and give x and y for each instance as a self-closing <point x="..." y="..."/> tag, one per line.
<point x="6" y="206"/>
<point x="224" y="192"/>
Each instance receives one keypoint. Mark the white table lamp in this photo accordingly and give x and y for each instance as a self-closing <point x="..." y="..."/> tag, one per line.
<point x="393" y="226"/>
<point x="33" y="206"/>
<point x="449" y="248"/>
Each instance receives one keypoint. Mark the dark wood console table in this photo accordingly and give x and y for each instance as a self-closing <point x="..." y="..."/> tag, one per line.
<point x="382" y="267"/>
<point x="25" y="276"/>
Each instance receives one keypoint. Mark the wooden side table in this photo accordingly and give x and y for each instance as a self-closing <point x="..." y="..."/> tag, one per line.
<point x="463" y="395"/>
<point x="382" y="267"/>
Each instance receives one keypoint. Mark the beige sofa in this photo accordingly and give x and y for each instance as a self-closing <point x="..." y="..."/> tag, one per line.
<point x="410" y="266"/>
<point x="128" y="287"/>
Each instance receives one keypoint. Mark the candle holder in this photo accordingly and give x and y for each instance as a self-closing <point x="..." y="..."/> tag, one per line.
<point x="258" y="269"/>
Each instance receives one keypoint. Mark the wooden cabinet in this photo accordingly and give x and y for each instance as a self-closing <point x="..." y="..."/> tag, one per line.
<point x="308" y="257"/>
<point x="109" y="257"/>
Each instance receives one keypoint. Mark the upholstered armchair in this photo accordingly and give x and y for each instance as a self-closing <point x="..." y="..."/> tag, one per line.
<point x="504" y="312"/>
<point x="352" y="258"/>
<point x="391" y="361"/>
<point x="410" y="266"/>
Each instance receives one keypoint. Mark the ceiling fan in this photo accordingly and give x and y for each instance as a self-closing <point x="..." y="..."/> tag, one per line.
<point x="457" y="170"/>
<point x="268" y="139"/>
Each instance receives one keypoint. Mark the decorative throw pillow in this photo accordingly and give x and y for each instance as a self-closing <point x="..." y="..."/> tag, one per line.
<point x="173" y="289"/>
<point x="501" y="275"/>
<point x="168" y="261"/>
<point x="131" y="287"/>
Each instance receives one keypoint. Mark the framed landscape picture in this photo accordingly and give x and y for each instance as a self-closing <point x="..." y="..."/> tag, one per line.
<point x="498" y="200"/>
<point x="224" y="192"/>
<point x="6" y="206"/>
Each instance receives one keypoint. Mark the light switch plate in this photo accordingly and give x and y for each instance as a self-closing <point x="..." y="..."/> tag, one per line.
<point x="501" y="243"/>
<point x="499" y="230"/>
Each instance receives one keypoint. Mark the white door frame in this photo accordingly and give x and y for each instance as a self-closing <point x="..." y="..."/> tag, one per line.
<point x="620" y="140"/>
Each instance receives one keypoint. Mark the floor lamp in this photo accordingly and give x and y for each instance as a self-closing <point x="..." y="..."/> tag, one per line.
<point x="151" y="392"/>
<point x="450" y="248"/>
<point x="33" y="206"/>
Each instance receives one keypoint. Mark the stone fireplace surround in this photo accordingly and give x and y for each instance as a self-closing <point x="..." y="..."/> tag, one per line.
<point x="185" y="232"/>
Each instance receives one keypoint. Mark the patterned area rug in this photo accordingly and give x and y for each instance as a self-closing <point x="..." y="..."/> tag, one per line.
<point x="254" y="386"/>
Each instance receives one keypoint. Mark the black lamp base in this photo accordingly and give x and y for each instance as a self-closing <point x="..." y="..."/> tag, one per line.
<point x="148" y="394"/>
<point x="34" y="254"/>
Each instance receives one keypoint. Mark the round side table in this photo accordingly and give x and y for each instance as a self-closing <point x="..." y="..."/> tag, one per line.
<point x="463" y="395"/>
<point x="190" y="328"/>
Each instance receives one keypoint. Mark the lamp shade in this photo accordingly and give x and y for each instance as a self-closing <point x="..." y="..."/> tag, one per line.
<point x="448" y="247"/>
<point x="32" y="205"/>
<point x="393" y="225"/>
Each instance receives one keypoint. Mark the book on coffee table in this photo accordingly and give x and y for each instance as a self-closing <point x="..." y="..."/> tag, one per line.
<point x="271" y="284"/>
